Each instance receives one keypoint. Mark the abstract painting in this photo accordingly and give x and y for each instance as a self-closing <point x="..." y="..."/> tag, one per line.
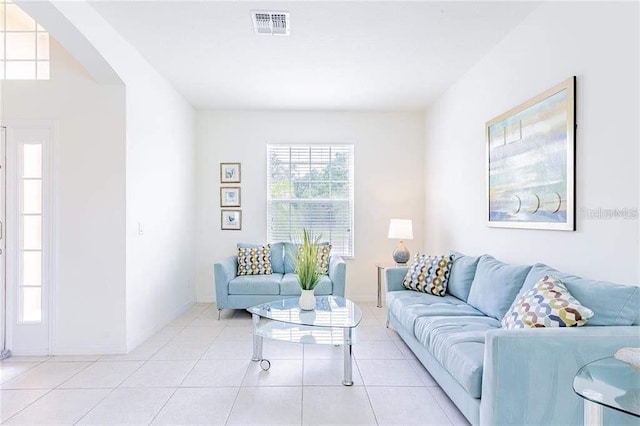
<point x="231" y="220"/>
<point x="229" y="172"/>
<point x="530" y="158"/>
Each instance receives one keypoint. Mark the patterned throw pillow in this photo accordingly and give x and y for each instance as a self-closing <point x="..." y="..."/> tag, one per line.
<point x="429" y="274"/>
<point x="547" y="304"/>
<point x="324" y="251"/>
<point x="254" y="260"/>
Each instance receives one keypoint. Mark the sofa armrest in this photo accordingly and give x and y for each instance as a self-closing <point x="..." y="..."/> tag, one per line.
<point x="223" y="272"/>
<point x="528" y="373"/>
<point x="394" y="277"/>
<point x="338" y="275"/>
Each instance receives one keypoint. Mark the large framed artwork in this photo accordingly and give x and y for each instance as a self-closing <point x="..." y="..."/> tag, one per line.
<point x="531" y="163"/>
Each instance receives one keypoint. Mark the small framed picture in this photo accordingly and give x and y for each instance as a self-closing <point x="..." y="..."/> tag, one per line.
<point x="231" y="220"/>
<point x="230" y="196"/>
<point x="229" y="172"/>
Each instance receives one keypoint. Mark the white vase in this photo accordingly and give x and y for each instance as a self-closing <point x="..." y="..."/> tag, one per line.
<point x="307" y="300"/>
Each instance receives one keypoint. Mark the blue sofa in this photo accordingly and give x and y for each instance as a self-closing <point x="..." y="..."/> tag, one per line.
<point x="501" y="376"/>
<point x="241" y="292"/>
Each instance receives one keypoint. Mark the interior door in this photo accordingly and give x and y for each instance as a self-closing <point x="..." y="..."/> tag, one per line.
<point x="3" y="293"/>
<point x="28" y="238"/>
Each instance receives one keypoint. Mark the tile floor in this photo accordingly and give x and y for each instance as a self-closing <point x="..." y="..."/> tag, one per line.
<point x="197" y="370"/>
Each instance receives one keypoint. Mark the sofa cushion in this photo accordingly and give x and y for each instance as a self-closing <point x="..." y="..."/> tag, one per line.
<point x="547" y="304"/>
<point x="463" y="270"/>
<point x="612" y="304"/>
<point x="277" y="258"/>
<point x="428" y="274"/>
<point x="408" y="306"/>
<point x="495" y="286"/>
<point x="290" y="252"/>
<point x="255" y="284"/>
<point x="289" y="286"/>
<point x="255" y="260"/>
<point x="458" y="345"/>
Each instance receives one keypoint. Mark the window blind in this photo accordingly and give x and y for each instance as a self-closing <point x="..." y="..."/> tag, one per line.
<point x="311" y="186"/>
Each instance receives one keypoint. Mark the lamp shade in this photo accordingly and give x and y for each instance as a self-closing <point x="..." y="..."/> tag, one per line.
<point x="401" y="229"/>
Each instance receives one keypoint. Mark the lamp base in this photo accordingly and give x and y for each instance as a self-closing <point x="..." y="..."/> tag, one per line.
<point x="401" y="254"/>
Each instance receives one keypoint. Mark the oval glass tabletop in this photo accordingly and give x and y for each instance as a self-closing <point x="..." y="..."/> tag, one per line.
<point x="610" y="382"/>
<point x="330" y="311"/>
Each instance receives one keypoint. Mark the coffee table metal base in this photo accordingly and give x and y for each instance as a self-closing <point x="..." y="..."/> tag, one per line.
<point x="265" y="364"/>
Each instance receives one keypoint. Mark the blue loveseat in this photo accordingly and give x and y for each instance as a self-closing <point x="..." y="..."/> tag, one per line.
<point x="502" y="376"/>
<point x="241" y="292"/>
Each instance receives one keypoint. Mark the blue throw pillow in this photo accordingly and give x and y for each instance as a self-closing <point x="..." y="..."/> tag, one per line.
<point x="612" y="304"/>
<point x="463" y="270"/>
<point x="496" y="286"/>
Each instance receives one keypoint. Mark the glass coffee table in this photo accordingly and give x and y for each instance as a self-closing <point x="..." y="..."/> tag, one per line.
<point x="332" y="322"/>
<point x="610" y="383"/>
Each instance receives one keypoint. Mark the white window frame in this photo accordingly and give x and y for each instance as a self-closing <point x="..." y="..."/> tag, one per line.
<point x="38" y="74"/>
<point x="295" y="233"/>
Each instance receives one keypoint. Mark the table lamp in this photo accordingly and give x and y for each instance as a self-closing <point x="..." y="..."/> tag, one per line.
<point x="401" y="229"/>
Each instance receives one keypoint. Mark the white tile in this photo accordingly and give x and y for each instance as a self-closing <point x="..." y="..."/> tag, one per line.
<point x="229" y="349"/>
<point x="128" y="406"/>
<point x="406" y="350"/>
<point x="423" y="373"/>
<point x="283" y="372"/>
<point x="336" y="405"/>
<point x="102" y="374"/>
<point x="376" y="349"/>
<point x="372" y="332"/>
<point x="267" y="406"/>
<point x="60" y="406"/>
<point x="182" y="350"/>
<point x="74" y="358"/>
<point x="45" y="376"/>
<point x="155" y="374"/>
<point x="201" y="406"/>
<point x="235" y="333"/>
<point x="141" y="353"/>
<point x="208" y="321"/>
<point x="13" y="401"/>
<point x="388" y="373"/>
<point x="198" y="334"/>
<point x="274" y="349"/>
<point x="167" y="333"/>
<point x="406" y="406"/>
<point x="449" y="408"/>
<point x="323" y="352"/>
<point x="328" y="372"/>
<point x="218" y="372"/>
<point x="21" y="359"/>
<point x="10" y="370"/>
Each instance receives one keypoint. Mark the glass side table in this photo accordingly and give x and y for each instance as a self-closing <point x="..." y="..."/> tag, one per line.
<point x="607" y="382"/>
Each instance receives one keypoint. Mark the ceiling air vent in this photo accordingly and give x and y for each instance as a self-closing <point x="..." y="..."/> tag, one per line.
<point x="270" y="23"/>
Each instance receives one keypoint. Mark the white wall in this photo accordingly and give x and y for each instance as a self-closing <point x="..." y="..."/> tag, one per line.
<point x="597" y="42"/>
<point x="160" y="181"/>
<point x="89" y="314"/>
<point x="389" y="181"/>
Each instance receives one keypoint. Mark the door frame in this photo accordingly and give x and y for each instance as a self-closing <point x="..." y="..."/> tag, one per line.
<point x="52" y="128"/>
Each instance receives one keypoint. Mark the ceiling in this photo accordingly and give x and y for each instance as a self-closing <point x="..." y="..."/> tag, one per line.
<point x="341" y="55"/>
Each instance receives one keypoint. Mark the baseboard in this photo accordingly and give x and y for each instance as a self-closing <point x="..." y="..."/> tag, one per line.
<point x="144" y="336"/>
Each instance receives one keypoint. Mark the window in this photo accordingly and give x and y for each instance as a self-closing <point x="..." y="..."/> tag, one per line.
<point x="30" y="231"/>
<point x="311" y="187"/>
<point x="24" y="45"/>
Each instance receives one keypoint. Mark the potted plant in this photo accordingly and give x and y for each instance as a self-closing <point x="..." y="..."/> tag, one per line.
<point x="306" y="266"/>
